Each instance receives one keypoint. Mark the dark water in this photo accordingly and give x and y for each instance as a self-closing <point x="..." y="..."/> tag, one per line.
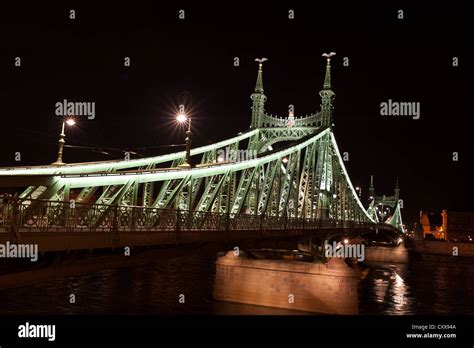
<point x="421" y="287"/>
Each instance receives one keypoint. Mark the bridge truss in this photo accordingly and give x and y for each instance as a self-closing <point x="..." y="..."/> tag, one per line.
<point x="292" y="169"/>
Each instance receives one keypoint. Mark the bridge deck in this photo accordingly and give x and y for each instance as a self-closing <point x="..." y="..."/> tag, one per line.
<point x="56" y="226"/>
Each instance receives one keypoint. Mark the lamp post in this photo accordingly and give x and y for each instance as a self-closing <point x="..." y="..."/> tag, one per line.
<point x="334" y="197"/>
<point x="61" y="141"/>
<point x="182" y="118"/>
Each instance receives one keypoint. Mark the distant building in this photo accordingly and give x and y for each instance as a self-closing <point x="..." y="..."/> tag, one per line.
<point x="432" y="225"/>
<point x="449" y="225"/>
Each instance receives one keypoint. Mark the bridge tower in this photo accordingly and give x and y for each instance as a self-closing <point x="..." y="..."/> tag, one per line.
<point x="327" y="95"/>
<point x="397" y="191"/>
<point x="258" y="98"/>
<point x="328" y="194"/>
<point x="371" y="189"/>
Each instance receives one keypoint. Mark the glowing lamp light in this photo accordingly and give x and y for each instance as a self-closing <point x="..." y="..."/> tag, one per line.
<point x="181" y="118"/>
<point x="284" y="160"/>
<point x="70" y="122"/>
<point x="346" y="241"/>
<point x="334" y="196"/>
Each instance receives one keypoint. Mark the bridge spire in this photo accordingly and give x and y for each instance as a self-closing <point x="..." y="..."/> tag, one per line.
<point x="371" y="188"/>
<point x="397" y="190"/>
<point x="327" y="78"/>
<point x="258" y="98"/>
<point x="327" y="95"/>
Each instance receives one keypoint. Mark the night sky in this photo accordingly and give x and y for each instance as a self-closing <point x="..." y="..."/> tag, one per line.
<point x="191" y="61"/>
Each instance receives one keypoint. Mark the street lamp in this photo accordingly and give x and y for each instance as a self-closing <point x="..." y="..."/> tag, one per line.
<point x="336" y="214"/>
<point x="59" y="162"/>
<point x="183" y="118"/>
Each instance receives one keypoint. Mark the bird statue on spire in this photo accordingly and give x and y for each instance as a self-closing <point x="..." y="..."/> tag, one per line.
<point x="329" y="55"/>
<point x="260" y="61"/>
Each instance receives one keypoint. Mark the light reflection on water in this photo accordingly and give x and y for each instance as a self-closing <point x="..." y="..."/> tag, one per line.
<point x="389" y="288"/>
<point x="422" y="287"/>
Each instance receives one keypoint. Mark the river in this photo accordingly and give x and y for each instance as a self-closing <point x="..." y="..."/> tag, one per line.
<point x="155" y="285"/>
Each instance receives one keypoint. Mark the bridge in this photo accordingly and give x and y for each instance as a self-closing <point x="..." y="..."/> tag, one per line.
<point x="283" y="177"/>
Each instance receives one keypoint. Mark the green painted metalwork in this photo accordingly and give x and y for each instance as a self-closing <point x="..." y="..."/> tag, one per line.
<point x="306" y="179"/>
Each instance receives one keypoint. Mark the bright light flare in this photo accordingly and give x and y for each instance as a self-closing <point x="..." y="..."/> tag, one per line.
<point x="181" y="118"/>
<point x="346" y="241"/>
<point x="70" y="122"/>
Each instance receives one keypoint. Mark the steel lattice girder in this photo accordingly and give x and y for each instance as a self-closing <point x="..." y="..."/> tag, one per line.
<point x="316" y="176"/>
<point x="299" y="192"/>
<point x="111" y="166"/>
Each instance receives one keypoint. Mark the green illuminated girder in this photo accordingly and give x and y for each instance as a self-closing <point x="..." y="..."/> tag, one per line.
<point x="323" y="179"/>
<point x="108" y="194"/>
<point x="104" y="210"/>
<point x="43" y="193"/>
<point x="171" y="192"/>
<point x="268" y="187"/>
<point x="210" y="193"/>
<point x="313" y="120"/>
<point x="254" y="191"/>
<point x="284" y="194"/>
<point x="306" y="182"/>
<point x="227" y="195"/>
<point x="274" y="198"/>
<point x="32" y="192"/>
<point x="287" y="185"/>
<point x="148" y="187"/>
<point x="131" y="196"/>
<point x="105" y="166"/>
<point x="242" y="190"/>
<point x="270" y="136"/>
<point x="86" y="193"/>
<point x="396" y="219"/>
<point x="167" y="187"/>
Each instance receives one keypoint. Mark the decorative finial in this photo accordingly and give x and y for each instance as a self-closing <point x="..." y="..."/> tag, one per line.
<point x="328" y="56"/>
<point x="260" y="61"/>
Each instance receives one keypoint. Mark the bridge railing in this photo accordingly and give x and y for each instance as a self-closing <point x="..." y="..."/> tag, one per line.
<point x="17" y="215"/>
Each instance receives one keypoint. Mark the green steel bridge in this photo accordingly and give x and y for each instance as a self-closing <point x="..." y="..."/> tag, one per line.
<point x="290" y="181"/>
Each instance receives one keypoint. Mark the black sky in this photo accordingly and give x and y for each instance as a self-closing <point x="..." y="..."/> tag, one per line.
<point x="402" y="60"/>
